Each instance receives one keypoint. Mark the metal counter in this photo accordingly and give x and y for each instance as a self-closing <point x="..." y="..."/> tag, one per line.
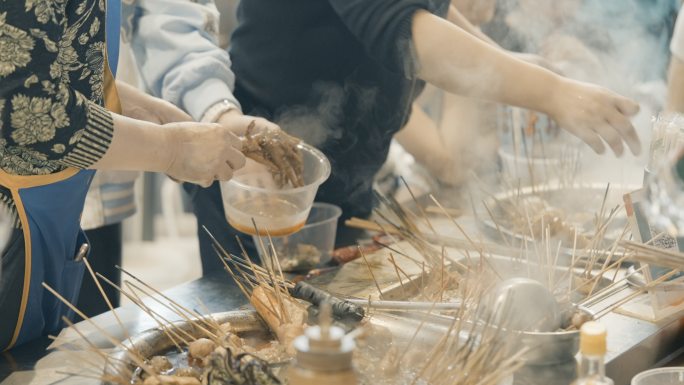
<point x="634" y="345"/>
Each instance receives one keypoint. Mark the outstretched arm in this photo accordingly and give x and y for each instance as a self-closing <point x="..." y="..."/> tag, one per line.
<point x="474" y="68"/>
<point x="675" y="93"/>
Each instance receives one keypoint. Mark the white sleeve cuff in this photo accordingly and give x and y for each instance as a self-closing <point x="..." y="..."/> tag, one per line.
<point x="214" y="112"/>
<point x="199" y="100"/>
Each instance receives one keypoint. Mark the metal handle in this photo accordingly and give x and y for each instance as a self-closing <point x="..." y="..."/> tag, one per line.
<point x="406" y="305"/>
<point x="82" y="252"/>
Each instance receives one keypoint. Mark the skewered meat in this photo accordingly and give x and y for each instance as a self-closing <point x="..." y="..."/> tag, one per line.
<point x="241" y="369"/>
<point x="276" y="150"/>
<point x="160" y="364"/>
<point x="201" y="348"/>
<point x="287" y="320"/>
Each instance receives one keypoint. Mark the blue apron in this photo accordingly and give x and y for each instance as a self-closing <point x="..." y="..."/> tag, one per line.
<point x="49" y="208"/>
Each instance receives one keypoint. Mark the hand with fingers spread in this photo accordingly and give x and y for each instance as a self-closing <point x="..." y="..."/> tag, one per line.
<point x="265" y="143"/>
<point x="203" y="153"/>
<point x="596" y="115"/>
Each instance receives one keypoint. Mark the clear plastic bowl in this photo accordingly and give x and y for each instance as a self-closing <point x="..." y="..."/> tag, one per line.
<point x="253" y="195"/>
<point x="660" y="376"/>
<point x="309" y="247"/>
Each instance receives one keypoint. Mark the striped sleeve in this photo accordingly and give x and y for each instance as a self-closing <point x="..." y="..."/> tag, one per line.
<point x="94" y="142"/>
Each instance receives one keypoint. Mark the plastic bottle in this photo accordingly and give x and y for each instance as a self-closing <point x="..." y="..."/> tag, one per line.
<point x="592" y="369"/>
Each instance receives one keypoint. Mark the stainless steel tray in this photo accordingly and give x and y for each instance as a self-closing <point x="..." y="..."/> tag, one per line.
<point x="548" y="348"/>
<point x="155" y="342"/>
<point x="582" y="201"/>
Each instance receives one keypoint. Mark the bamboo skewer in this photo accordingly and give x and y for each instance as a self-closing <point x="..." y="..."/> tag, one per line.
<point x="132" y="354"/>
<point x="654" y="255"/>
<point x="157" y="292"/>
<point x="638" y="292"/>
<point x="162" y="326"/>
<point x="370" y="270"/>
<point x="165" y="324"/>
<point x="104" y="296"/>
<point x="136" y="301"/>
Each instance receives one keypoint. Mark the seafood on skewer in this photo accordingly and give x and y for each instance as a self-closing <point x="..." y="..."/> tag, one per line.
<point x="276" y="150"/>
<point x="285" y="316"/>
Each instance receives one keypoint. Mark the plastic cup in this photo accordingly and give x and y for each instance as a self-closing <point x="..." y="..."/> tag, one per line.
<point x="252" y="196"/>
<point x="309" y="247"/>
<point x="660" y="376"/>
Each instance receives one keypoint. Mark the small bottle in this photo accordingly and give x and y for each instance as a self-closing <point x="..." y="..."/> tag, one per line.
<point x="324" y="355"/>
<point x="592" y="369"/>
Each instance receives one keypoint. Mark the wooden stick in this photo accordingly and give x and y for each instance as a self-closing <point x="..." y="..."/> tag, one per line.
<point x="271" y="274"/>
<point x="401" y="282"/>
<point x="263" y="283"/>
<point x="138" y="360"/>
<point x="235" y="278"/>
<point x="96" y="350"/>
<point x="140" y="281"/>
<point x="420" y="208"/>
<point x="370" y="270"/>
<point x="496" y="223"/>
<point x="104" y="296"/>
<point x="164" y="326"/>
<point x="638" y="292"/>
<point x="596" y="297"/>
<point x="136" y="301"/>
<point x="370" y="226"/>
<point x="437" y="210"/>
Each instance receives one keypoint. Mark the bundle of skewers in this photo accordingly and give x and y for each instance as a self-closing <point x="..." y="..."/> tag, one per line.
<point x="202" y="348"/>
<point x="210" y="348"/>
<point x="486" y="355"/>
<point x="591" y="284"/>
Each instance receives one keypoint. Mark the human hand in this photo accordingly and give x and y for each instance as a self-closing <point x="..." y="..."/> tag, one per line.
<point x="265" y="143"/>
<point x="202" y="153"/>
<point x="139" y="105"/>
<point x="595" y="114"/>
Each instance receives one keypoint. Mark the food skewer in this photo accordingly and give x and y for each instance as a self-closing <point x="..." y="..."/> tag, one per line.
<point x="654" y="255"/>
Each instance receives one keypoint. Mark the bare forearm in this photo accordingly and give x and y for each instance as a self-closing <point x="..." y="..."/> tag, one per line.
<point x="420" y="137"/>
<point x="477" y="69"/>
<point x="675" y="92"/>
<point x="137" y="145"/>
<point x="458" y="19"/>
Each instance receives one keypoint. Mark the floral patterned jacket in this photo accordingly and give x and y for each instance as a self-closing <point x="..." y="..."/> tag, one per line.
<point x="52" y="57"/>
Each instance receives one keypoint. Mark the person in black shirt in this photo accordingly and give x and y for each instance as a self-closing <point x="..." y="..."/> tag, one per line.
<point x="342" y="75"/>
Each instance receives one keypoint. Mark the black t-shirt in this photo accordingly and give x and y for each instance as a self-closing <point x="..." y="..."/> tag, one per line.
<point x="340" y="74"/>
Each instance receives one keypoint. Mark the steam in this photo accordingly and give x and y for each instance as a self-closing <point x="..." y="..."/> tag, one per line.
<point x="323" y="119"/>
<point x="622" y="45"/>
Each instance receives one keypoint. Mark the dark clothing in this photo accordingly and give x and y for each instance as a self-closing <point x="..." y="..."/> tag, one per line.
<point x="105" y="253"/>
<point x="340" y="74"/>
<point x="13" y="268"/>
<point x="208" y="209"/>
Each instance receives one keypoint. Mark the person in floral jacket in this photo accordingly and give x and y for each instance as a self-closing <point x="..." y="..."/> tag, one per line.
<point x="61" y="117"/>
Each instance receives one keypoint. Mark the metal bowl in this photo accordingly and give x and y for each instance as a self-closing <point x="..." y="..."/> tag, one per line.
<point x="155" y="342"/>
<point x="583" y="198"/>
<point x="552" y="348"/>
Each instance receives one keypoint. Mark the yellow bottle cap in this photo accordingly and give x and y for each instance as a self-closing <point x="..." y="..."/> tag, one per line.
<point x="593" y="339"/>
